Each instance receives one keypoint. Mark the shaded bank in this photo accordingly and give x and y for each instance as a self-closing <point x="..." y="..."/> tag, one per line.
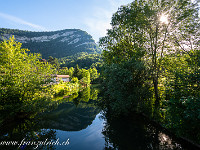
<point x="135" y="131"/>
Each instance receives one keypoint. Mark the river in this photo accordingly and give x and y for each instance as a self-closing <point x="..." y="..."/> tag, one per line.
<point x="79" y="124"/>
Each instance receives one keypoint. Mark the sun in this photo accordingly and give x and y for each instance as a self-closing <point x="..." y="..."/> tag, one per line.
<point x="164" y="19"/>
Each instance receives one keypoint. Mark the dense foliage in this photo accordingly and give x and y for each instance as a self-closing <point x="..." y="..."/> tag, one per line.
<point x="83" y="60"/>
<point x="84" y="75"/>
<point x="21" y="76"/>
<point x="126" y="86"/>
<point x="56" y="43"/>
<point x="153" y="47"/>
<point x="53" y="61"/>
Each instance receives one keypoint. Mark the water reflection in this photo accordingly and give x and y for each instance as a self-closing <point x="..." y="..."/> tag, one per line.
<point x="70" y="117"/>
<point x="24" y="130"/>
<point x="136" y="132"/>
<point x="76" y="117"/>
<point x="74" y="112"/>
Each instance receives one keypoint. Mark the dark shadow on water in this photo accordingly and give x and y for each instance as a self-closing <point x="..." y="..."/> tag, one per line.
<point x="134" y="131"/>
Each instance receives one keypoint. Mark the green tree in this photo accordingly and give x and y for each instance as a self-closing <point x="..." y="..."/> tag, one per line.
<point x="74" y="80"/>
<point x="22" y="74"/>
<point x="125" y="86"/>
<point x="64" y="71"/>
<point x="54" y="62"/>
<point x="84" y="76"/>
<point x="76" y="72"/>
<point x="71" y="71"/>
<point x="93" y="74"/>
<point x="149" y="30"/>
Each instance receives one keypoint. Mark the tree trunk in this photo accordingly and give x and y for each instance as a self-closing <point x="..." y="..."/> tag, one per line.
<point x="155" y="69"/>
<point x="155" y="83"/>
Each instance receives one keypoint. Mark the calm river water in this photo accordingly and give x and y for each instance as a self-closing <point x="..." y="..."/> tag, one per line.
<point x="78" y="124"/>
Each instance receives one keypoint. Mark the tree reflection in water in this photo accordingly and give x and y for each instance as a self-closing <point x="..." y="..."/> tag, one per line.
<point x="135" y="132"/>
<point x="26" y="130"/>
<point x="74" y="116"/>
<point x="70" y="113"/>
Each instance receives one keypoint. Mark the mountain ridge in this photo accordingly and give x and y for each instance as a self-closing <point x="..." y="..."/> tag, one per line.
<point x="58" y="44"/>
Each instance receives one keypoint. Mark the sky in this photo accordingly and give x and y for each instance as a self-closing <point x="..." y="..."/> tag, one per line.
<point x="92" y="16"/>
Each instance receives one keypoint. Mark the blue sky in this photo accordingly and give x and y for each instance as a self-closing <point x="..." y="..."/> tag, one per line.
<point x="92" y="16"/>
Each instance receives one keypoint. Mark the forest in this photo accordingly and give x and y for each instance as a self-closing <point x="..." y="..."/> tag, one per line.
<point x="84" y="60"/>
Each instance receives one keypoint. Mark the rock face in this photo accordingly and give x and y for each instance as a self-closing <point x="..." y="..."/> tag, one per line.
<point x="56" y="43"/>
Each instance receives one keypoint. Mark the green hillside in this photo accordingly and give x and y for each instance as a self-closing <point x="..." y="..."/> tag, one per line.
<point x="58" y="44"/>
<point x="84" y="60"/>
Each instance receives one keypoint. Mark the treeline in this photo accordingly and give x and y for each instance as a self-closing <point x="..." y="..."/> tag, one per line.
<point x="61" y="45"/>
<point x="83" y="60"/>
<point x="90" y="72"/>
<point x="85" y="76"/>
<point x="33" y="33"/>
<point x="152" y="64"/>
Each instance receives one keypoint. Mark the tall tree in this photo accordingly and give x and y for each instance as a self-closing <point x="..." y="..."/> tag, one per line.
<point x="149" y="30"/>
<point x="76" y="71"/>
